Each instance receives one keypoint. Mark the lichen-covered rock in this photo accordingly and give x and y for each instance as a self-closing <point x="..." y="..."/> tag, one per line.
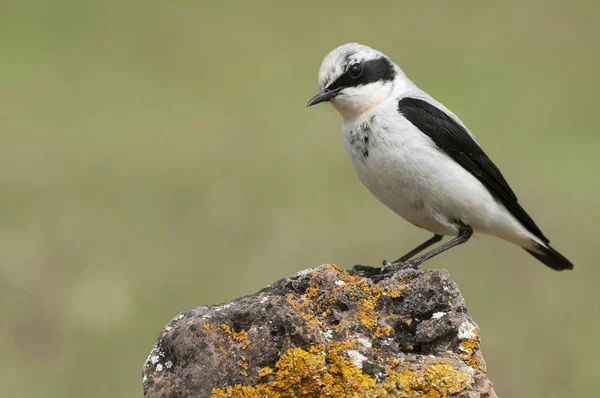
<point x="325" y="332"/>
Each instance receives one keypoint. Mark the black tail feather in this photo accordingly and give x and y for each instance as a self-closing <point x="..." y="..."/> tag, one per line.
<point x="550" y="257"/>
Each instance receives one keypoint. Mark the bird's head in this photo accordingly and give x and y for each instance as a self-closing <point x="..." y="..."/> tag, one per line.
<point x="356" y="78"/>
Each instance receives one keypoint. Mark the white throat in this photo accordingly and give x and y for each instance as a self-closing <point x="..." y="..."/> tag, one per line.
<point x="357" y="101"/>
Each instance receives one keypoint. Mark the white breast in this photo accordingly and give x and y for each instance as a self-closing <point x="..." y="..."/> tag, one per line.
<point x="406" y="171"/>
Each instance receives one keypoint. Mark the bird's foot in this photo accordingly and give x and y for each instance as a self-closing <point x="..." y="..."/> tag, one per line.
<point x="390" y="269"/>
<point x="367" y="270"/>
<point x="386" y="271"/>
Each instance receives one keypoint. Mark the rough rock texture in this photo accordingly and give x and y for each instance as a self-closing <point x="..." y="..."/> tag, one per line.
<point x="325" y="332"/>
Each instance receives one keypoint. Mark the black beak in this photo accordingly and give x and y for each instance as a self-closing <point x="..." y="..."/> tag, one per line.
<point x="323" y="96"/>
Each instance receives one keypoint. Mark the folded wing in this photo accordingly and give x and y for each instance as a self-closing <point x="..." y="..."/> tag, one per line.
<point x="452" y="138"/>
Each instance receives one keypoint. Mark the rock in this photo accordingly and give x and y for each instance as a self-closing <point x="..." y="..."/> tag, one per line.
<point x="325" y="332"/>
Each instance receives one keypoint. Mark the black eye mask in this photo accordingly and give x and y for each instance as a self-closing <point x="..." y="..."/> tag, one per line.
<point x="375" y="70"/>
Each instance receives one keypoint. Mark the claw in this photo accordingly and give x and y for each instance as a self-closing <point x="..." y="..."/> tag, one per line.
<point x="395" y="267"/>
<point x="364" y="268"/>
<point x="377" y="274"/>
<point x="379" y="277"/>
<point x="367" y="270"/>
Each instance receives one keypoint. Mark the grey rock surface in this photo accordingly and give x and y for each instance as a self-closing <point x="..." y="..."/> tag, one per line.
<point x="325" y="332"/>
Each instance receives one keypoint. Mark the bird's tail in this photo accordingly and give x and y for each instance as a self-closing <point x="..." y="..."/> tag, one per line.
<point x="550" y="257"/>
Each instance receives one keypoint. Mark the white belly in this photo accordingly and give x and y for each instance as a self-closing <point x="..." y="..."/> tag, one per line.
<point x="409" y="174"/>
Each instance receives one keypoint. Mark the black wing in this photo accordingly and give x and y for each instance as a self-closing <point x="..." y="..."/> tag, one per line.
<point x="453" y="139"/>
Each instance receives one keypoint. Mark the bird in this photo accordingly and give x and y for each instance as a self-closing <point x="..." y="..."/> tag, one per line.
<point x="420" y="160"/>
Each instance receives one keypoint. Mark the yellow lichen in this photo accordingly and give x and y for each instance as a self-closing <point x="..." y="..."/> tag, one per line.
<point x="226" y="328"/>
<point x="209" y="326"/>
<point x="315" y="305"/>
<point x="470" y="347"/>
<point x="311" y="292"/>
<point x="300" y="373"/>
<point x="395" y="292"/>
<point x="381" y="331"/>
<point x="437" y="380"/>
<point x="222" y="349"/>
<point x="326" y="370"/>
<point x="244" y="365"/>
<point x="264" y="372"/>
<point x="335" y="267"/>
<point x="240" y="336"/>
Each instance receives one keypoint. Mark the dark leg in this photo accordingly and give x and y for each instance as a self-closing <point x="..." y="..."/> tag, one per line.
<point x="435" y="239"/>
<point x="376" y="270"/>
<point x="465" y="232"/>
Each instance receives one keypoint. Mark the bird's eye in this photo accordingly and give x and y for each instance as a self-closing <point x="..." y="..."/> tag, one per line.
<point x="355" y="71"/>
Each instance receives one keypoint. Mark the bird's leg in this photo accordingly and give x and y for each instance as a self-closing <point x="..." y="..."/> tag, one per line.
<point x="435" y="239"/>
<point x="464" y="234"/>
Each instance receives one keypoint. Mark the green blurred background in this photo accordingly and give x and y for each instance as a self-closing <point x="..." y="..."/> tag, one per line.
<point x="158" y="155"/>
